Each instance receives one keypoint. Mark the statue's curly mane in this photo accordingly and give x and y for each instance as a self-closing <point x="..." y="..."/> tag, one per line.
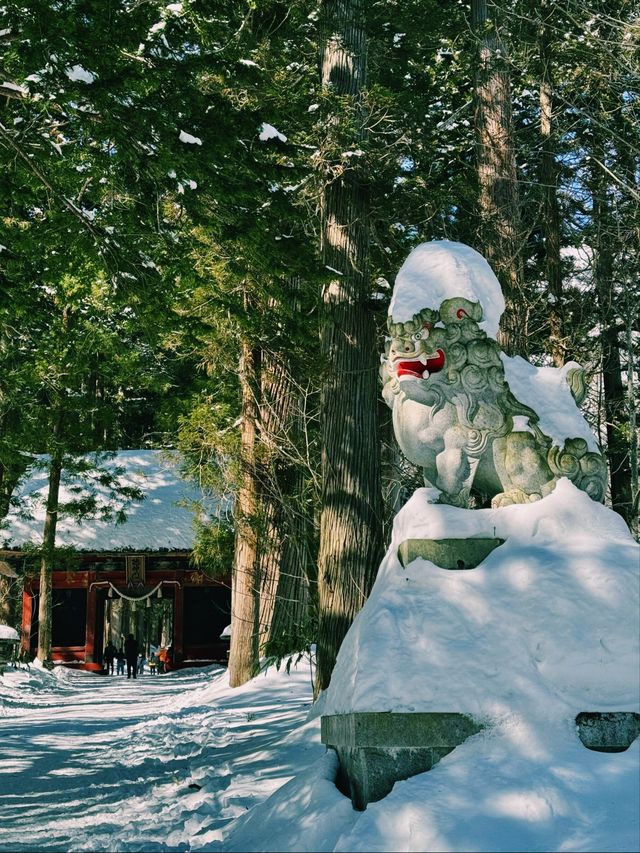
<point x="473" y="372"/>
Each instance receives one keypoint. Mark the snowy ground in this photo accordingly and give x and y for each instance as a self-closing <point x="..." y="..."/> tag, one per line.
<point x="548" y="625"/>
<point x="182" y="762"/>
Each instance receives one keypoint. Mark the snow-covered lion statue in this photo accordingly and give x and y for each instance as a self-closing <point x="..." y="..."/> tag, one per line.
<point x="483" y="427"/>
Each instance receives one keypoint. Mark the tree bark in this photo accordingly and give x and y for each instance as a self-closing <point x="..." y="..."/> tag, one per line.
<point x="616" y="418"/>
<point x="12" y="464"/>
<point x="500" y="230"/>
<point x="351" y="505"/>
<point x="634" y="522"/>
<point x="548" y="182"/>
<point x="245" y="597"/>
<point x="9" y="478"/>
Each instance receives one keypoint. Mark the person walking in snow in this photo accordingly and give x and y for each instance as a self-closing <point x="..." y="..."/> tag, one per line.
<point x="109" y="656"/>
<point x="120" y="662"/>
<point x="163" y="658"/>
<point x="131" y="654"/>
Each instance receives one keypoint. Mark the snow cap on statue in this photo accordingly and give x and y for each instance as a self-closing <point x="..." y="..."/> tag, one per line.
<point x="442" y="270"/>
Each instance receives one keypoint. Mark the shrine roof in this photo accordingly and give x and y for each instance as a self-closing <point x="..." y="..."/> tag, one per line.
<point x="162" y="521"/>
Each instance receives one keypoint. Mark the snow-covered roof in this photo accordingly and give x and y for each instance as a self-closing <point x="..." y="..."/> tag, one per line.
<point x="163" y="520"/>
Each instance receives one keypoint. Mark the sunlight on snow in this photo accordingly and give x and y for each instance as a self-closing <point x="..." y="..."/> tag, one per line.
<point x="529" y="805"/>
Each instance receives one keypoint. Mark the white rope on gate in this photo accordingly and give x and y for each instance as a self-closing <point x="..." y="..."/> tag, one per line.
<point x="139" y="597"/>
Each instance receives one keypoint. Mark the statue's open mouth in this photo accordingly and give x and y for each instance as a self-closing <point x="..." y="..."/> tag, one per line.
<point x="422" y="368"/>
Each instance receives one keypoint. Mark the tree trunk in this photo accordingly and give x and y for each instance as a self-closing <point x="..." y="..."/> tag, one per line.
<point x="548" y="182"/>
<point x="47" y="560"/>
<point x="614" y="398"/>
<point x="615" y="412"/>
<point x="284" y="584"/>
<point x="245" y="599"/>
<point x="351" y="505"/>
<point x="12" y="464"/>
<point x="634" y="522"/>
<point x="500" y="229"/>
<point x="9" y="479"/>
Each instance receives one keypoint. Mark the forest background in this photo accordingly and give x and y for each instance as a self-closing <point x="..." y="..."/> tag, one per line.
<point x="204" y="205"/>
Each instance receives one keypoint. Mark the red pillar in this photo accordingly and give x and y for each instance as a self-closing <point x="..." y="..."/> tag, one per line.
<point x="90" y="639"/>
<point x="27" y="617"/>
<point x="178" y="625"/>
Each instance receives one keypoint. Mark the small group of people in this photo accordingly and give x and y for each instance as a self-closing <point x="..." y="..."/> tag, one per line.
<point x="128" y="654"/>
<point x="159" y="658"/>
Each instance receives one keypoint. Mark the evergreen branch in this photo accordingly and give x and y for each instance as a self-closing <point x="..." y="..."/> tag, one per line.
<point x="625" y="186"/>
<point x="71" y="207"/>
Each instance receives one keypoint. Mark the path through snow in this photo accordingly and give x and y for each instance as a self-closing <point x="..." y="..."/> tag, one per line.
<point x="160" y="763"/>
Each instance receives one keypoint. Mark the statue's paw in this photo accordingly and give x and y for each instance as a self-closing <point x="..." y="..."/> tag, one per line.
<point x="459" y="499"/>
<point x="514" y="496"/>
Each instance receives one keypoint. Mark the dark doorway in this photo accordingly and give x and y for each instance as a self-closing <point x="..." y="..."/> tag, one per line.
<point x="207" y="612"/>
<point x="68" y="617"/>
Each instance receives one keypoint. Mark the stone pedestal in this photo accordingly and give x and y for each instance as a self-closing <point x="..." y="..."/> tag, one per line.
<point x="376" y="750"/>
<point x="612" y="731"/>
<point x="448" y="553"/>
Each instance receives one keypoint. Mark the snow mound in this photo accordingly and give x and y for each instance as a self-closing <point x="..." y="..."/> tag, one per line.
<point x="548" y="624"/>
<point x="441" y="270"/>
<point x="547" y="392"/>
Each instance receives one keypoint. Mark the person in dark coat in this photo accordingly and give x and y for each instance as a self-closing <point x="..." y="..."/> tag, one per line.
<point x="109" y="657"/>
<point x="131" y="654"/>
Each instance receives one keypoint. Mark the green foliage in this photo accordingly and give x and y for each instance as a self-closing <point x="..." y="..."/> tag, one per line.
<point x="65" y="558"/>
<point x="291" y="645"/>
<point x="213" y="548"/>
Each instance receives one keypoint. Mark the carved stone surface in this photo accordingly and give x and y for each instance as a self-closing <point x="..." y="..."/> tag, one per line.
<point x="376" y="750"/>
<point x="455" y="416"/>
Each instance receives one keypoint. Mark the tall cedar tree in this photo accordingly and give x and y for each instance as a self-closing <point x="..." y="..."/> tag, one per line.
<point x="351" y="510"/>
<point x="501" y="235"/>
<point x="245" y="586"/>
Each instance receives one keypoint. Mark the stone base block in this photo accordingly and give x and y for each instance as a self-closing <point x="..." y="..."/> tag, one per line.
<point x="448" y="553"/>
<point x="612" y="731"/>
<point x="376" y="750"/>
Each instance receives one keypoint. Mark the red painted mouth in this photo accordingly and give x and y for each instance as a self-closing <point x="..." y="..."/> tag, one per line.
<point x="417" y="368"/>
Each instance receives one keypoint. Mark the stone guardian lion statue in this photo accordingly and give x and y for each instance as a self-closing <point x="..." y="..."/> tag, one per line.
<point x="454" y="412"/>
